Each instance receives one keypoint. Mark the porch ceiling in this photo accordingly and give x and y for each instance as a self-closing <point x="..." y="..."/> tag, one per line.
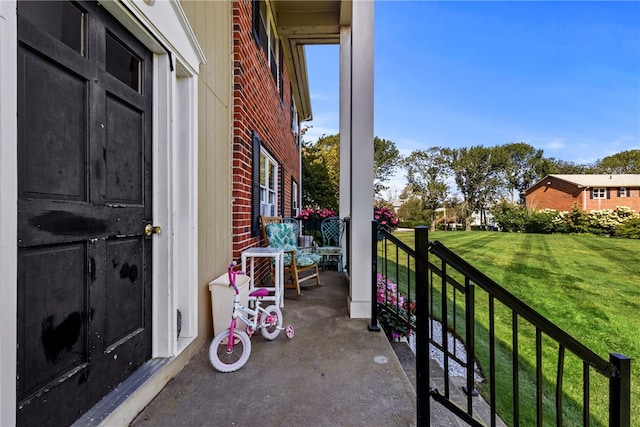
<point x="303" y="22"/>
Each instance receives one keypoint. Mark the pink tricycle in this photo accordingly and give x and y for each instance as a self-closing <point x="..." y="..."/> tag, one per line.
<point x="231" y="348"/>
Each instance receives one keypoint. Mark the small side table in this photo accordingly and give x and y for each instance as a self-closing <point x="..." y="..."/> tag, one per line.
<point x="278" y="256"/>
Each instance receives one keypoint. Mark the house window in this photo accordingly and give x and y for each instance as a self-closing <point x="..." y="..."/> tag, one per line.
<point x="294" y="114"/>
<point x="264" y="184"/>
<point x="623" y="192"/>
<point x="265" y="35"/>
<point x="268" y="184"/>
<point x="294" y="199"/>
<point x="599" y="193"/>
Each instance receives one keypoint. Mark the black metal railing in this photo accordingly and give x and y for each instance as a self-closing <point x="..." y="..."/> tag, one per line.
<point x="465" y="304"/>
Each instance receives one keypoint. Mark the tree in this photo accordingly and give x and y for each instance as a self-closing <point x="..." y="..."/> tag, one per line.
<point x="329" y="148"/>
<point x="413" y="211"/>
<point x="476" y="172"/>
<point x="386" y="158"/>
<point x="318" y="189"/>
<point x="552" y="165"/>
<point x="621" y="163"/>
<point x="520" y="164"/>
<point x="321" y="169"/>
<point x="426" y="176"/>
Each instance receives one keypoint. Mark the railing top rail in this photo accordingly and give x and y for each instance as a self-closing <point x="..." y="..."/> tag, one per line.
<point x="397" y="242"/>
<point x="528" y="313"/>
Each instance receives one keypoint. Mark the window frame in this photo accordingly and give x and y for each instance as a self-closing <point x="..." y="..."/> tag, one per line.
<point x="623" y="192"/>
<point x="263" y="26"/>
<point x="294" y="113"/>
<point x="295" y="209"/>
<point x="269" y="170"/>
<point x="599" y="193"/>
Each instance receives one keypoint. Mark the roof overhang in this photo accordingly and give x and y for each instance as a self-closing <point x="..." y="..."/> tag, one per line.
<point x="593" y="180"/>
<point x="303" y="22"/>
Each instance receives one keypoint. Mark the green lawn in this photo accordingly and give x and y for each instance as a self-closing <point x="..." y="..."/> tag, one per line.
<point x="587" y="285"/>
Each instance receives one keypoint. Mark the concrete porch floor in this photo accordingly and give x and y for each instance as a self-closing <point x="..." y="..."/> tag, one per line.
<point x="334" y="372"/>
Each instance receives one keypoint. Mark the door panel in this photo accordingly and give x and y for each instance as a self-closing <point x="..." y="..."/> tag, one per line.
<point x="53" y="345"/>
<point x="124" y="295"/>
<point x="58" y="98"/>
<point x="125" y="170"/>
<point x="84" y="164"/>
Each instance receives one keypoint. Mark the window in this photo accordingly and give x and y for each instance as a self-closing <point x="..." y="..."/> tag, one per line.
<point x="62" y="20"/>
<point x="281" y="72"/>
<point x="294" y="114"/>
<point x="268" y="184"/>
<point x="265" y="35"/>
<point x="259" y="28"/>
<point x="599" y="193"/>
<point x="264" y="184"/>
<point x="623" y="192"/>
<point x="294" y="199"/>
<point x="122" y="63"/>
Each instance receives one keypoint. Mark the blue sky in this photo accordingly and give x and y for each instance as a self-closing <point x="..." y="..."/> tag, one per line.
<point x="561" y="76"/>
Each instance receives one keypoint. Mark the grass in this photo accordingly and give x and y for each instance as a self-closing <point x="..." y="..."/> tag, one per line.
<point x="587" y="285"/>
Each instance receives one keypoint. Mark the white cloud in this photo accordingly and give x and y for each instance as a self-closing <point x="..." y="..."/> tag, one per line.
<point x="555" y="144"/>
<point x="321" y="96"/>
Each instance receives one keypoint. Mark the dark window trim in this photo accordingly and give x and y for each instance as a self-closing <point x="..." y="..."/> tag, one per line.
<point x="281" y="171"/>
<point x="281" y="72"/>
<point x="256" y="144"/>
<point x="255" y="20"/>
<point x="294" y="185"/>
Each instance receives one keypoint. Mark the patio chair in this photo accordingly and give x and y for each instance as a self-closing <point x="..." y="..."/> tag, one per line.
<point x="332" y="229"/>
<point x="295" y="222"/>
<point x="279" y="234"/>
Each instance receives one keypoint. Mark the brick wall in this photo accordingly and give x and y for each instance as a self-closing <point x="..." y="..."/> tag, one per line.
<point x="561" y="195"/>
<point x="632" y="200"/>
<point x="558" y="195"/>
<point x="257" y="106"/>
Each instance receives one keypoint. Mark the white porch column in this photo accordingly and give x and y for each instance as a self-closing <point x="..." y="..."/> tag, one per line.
<point x="8" y="210"/>
<point x="361" y="138"/>
<point x="345" y="130"/>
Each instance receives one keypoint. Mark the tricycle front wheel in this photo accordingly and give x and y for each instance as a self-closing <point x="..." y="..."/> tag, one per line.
<point x="228" y="360"/>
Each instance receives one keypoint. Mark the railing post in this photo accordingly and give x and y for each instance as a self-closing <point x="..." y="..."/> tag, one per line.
<point x="470" y="340"/>
<point x="620" y="392"/>
<point x="423" y="386"/>
<point x="373" y="325"/>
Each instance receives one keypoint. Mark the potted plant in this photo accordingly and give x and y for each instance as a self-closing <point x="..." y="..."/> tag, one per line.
<point x="311" y="218"/>
<point x="386" y="217"/>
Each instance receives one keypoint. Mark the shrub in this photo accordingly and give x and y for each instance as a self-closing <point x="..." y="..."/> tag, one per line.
<point x="577" y="220"/>
<point x="510" y="217"/>
<point x="542" y="221"/>
<point x="629" y="229"/>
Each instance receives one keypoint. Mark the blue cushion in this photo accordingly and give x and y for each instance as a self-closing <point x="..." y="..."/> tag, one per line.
<point x="282" y="235"/>
<point x="304" y="259"/>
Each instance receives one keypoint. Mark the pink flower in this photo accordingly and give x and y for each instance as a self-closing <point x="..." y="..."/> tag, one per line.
<point x="386" y="217"/>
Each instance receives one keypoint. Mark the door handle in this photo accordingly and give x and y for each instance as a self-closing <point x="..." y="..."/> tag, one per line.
<point x="152" y="229"/>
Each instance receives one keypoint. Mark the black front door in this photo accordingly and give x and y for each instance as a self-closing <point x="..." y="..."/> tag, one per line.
<point x="84" y="190"/>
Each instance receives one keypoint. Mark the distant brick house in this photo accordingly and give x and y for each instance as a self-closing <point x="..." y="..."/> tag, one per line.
<point x="590" y="192"/>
